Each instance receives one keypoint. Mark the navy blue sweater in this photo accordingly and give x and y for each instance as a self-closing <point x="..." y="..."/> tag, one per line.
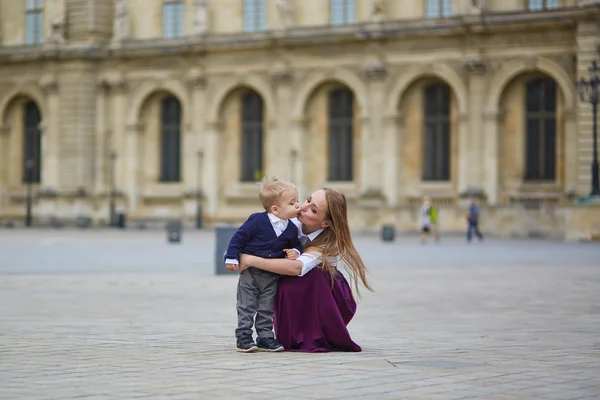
<point x="257" y="237"/>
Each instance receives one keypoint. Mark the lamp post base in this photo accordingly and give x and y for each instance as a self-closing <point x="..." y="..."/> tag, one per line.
<point x="199" y="221"/>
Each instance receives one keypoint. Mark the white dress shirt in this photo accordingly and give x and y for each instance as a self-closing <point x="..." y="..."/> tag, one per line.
<point x="279" y="225"/>
<point x="314" y="258"/>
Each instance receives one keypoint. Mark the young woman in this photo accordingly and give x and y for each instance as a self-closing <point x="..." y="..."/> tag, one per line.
<point x="314" y="302"/>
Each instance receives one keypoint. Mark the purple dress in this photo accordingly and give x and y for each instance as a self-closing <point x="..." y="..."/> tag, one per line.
<point x="311" y="315"/>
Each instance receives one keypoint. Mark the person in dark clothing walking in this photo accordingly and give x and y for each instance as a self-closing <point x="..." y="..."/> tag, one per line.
<point x="473" y="222"/>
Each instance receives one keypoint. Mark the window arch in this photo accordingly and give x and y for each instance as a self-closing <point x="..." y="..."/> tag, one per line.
<point x="252" y="137"/>
<point x="341" y="129"/>
<point x="540" y="129"/>
<point x="170" y="150"/>
<point x="436" y="146"/>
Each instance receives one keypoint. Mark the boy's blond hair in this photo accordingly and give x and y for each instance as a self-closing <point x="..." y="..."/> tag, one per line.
<point x="271" y="189"/>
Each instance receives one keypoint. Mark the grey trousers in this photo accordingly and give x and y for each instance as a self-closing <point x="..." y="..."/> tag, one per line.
<point x="255" y="294"/>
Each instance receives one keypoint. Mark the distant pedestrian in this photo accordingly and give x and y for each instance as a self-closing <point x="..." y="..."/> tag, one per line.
<point x="429" y="219"/>
<point x="473" y="221"/>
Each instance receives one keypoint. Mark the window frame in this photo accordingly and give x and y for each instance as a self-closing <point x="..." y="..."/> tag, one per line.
<point x="437" y="145"/>
<point x="172" y="22"/>
<point x="252" y="136"/>
<point x="32" y="142"/>
<point x="170" y="139"/>
<point x="438" y="9"/>
<point x="340" y="135"/>
<point x="254" y="21"/>
<point x="546" y="120"/>
<point x="34" y="18"/>
<point x="543" y="5"/>
<point x="348" y="12"/>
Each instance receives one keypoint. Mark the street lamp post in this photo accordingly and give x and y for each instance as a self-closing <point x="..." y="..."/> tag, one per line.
<point x="589" y="91"/>
<point x="29" y="164"/>
<point x="113" y="192"/>
<point x="199" y="221"/>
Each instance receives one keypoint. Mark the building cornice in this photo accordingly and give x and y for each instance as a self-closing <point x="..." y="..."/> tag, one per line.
<point x="310" y="36"/>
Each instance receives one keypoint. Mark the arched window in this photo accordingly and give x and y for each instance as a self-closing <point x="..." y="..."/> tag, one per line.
<point x="341" y="129"/>
<point x="252" y="137"/>
<point x="540" y="130"/>
<point x="170" y="150"/>
<point x="32" y="139"/>
<point x="436" y="109"/>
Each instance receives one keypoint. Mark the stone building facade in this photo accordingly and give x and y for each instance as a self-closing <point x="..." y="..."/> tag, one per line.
<point x="165" y="104"/>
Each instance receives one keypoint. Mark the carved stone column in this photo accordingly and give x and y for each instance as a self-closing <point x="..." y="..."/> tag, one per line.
<point x="211" y="168"/>
<point x="491" y="156"/>
<point x="463" y="153"/>
<point x="570" y="143"/>
<point x="393" y="129"/>
<point x="193" y="140"/>
<point x="372" y="129"/>
<point x="280" y="158"/>
<point x="118" y="90"/>
<point x="132" y="165"/>
<point x="4" y="132"/>
<point x="477" y="75"/>
<point x="101" y="151"/>
<point x="297" y="132"/>
<point x="51" y="135"/>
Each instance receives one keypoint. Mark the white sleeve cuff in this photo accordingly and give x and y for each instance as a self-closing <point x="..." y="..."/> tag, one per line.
<point x="309" y="261"/>
<point x="297" y="251"/>
<point x="232" y="261"/>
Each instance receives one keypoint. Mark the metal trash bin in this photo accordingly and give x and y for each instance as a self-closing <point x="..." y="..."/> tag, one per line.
<point x="223" y="236"/>
<point x="121" y="220"/>
<point x="388" y="233"/>
<point x="174" y="232"/>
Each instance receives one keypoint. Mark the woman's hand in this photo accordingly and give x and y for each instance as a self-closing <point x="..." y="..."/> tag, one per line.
<point x="246" y="261"/>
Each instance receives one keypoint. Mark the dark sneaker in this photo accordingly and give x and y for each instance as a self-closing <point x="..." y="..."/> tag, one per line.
<point x="245" y="344"/>
<point x="268" y="344"/>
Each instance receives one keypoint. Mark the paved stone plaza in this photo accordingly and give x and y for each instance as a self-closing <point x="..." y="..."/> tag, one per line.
<point x="121" y="315"/>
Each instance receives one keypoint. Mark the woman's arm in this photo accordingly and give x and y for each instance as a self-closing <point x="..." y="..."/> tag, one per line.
<point x="281" y="266"/>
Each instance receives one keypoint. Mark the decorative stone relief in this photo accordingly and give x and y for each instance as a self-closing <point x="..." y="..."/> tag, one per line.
<point x="373" y="65"/>
<point x="121" y="26"/>
<point x="58" y="23"/>
<point x="377" y="11"/>
<point x="201" y="17"/>
<point x="196" y="79"/>
<point x="281" y="74"/>
<point x="49" y="85"/>
<point x="286" y="14"/>
<point x="476" y="66"/>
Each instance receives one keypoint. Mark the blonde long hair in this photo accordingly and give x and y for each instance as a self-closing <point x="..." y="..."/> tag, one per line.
<point x="336" y="242"/>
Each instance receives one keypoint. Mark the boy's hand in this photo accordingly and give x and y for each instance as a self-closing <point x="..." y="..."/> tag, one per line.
<point x="232" y="267"/>
<point x="291" y="254"/>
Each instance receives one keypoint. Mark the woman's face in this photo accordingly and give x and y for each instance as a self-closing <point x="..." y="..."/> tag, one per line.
<point x="313" y="213"/>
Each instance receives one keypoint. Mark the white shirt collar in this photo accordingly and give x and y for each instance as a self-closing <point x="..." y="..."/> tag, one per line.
<point x="273" y="218"/>
<point x="311" y="236"/>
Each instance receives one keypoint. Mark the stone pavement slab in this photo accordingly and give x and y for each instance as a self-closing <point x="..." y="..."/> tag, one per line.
<point x="491" y="333"/>
<point x="524" y="327"/>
